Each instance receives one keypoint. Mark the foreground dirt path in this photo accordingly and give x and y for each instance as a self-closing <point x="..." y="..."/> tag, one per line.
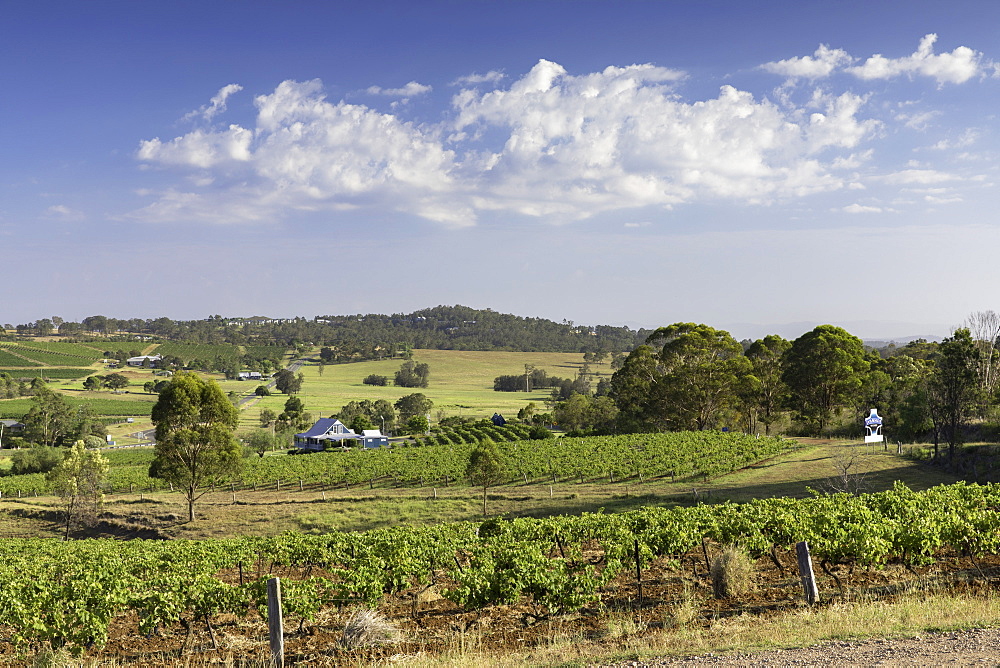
<point x="952" y="648"/>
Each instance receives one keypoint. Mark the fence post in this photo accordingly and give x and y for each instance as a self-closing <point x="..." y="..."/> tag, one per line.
<point x="806" y="573"/>
<point x="274" y="625"/>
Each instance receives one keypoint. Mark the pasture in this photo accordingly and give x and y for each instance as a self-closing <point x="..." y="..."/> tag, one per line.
<point x="461" y="383"/>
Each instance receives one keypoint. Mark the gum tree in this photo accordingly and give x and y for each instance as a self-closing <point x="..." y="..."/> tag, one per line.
<point x="195" y="445"/>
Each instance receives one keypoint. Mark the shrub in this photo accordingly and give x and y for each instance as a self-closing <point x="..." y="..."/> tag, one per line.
<point x="732" y="573"/>
<point x="37" y="459"/>
<point x="375" y="379"/>
<point x="367" y="628"/>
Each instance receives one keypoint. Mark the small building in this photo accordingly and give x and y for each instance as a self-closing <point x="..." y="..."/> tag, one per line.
<point x="373" y="438"/>
<point x="141" y="360"/>
<point x="11" y="427"/>
<point x="248" y="375"/>
<point x="326" y="433"/>
<point x="498" y="420"/>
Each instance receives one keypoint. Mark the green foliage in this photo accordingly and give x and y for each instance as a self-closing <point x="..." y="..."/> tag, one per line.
<point x="36" y="459"/>
<point x="194" y="435"/>
<point x="417" y="424"/>
<point x="287" y="382"/>
<point x="375" y="379"/>
<point x="413" y="404"/>
<point x="412" y="374"/>
<point x="78" y="480"/>
<point x="823" y="369"/>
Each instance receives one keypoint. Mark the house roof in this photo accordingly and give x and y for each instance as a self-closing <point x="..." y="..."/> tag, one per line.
<point x="371" y="433"/>
<point x="11" y="423"/>
<point x="322" y="426"/>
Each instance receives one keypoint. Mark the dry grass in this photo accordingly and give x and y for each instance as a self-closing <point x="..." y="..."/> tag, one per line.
<point x="732" y="573"/>
<point x="368" y="628"/>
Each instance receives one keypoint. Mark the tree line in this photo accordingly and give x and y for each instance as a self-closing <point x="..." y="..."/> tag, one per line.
<point x="361" y="336"/>
<point x="689" y="376"/>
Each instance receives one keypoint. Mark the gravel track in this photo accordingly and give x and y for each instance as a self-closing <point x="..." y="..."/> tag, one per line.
<point x="976" y="647"/>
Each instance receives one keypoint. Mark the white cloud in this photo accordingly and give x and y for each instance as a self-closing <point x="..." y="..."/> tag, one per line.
<point x="578" y="145"/>
<point x="409" y="90"/>
<point x="216" y="105"/>
<point x="569" y="147"/>
<point x="968" y="138"/>
<point x="936" y="199"/>
<point x="860" y="208"/>
<point x="307" y="154"/>
<point x="200" y="148"/>
<point x="956" y="67"/>
<point x="820" y="65"/>
<point x="64" y="213"/>
<point x="493" y="76"/>
<point x="919" y="177"/>
<point x="918" y="121"/>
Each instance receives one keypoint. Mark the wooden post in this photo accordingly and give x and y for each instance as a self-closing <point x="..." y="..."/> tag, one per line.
<point x="435" y="492"/>
<point x="300" y="484"/>
<point x="550" y="491"/>
<point x="806" y="573"/>
<point x="277" y="485"/>
<point x="638" y="576"/>
<point x="274" y="625"/>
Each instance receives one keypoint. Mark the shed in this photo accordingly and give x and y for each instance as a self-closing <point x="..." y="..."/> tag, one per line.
<point x="373" y="438"/>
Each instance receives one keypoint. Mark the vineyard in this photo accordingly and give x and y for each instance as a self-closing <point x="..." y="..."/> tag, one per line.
<point x="679" y="455"/>
<point x="49" y="353"/>
<point x="18" y="408"/>
<point x="74" y="594"/>
<point x="50" y="373"/>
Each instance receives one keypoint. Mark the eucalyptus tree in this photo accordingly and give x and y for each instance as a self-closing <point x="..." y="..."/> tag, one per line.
<point x="824" y="369"/>
<point x="685" y="377"/>
<point x="955" y="384"/>
<point x="195" y="445"/>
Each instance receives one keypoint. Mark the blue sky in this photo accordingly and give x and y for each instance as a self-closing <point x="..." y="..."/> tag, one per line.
<point x="636" y="163"/>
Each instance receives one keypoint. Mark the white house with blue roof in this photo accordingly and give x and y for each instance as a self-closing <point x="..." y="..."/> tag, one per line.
<point x="332" y="433"/>
<point x="327" y="432"/>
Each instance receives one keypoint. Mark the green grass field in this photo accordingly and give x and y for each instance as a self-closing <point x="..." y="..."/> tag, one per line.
<point x="461" y="383"/>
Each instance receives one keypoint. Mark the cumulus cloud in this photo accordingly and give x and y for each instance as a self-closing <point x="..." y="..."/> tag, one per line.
<point x="820" y="65"/>
<point x="551" y="145"/>
<point x="409" y="90"/>
<point x="216" y="105"/>
<point x="621" y="137"/>
<point x="307" y="154"/>
<point x="958" y="66"/>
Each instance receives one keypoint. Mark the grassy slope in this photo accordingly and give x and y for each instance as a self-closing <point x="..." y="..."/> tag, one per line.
<point x="461" y="383"/>
<point x="267" y="511"/>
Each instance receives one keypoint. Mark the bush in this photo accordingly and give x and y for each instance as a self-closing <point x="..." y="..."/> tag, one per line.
<point x="37" y="459"/>
<point x="375" y="379"/>
<point x="538" y="433"/>
<point x="732" y="573"/>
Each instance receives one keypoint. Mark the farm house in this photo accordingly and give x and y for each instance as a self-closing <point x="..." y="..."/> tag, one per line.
<point x="331" y="433"/>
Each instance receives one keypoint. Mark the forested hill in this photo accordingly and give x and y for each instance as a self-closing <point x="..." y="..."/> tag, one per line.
<point x="464" y="328"/>
<point x="364" y="336"/>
